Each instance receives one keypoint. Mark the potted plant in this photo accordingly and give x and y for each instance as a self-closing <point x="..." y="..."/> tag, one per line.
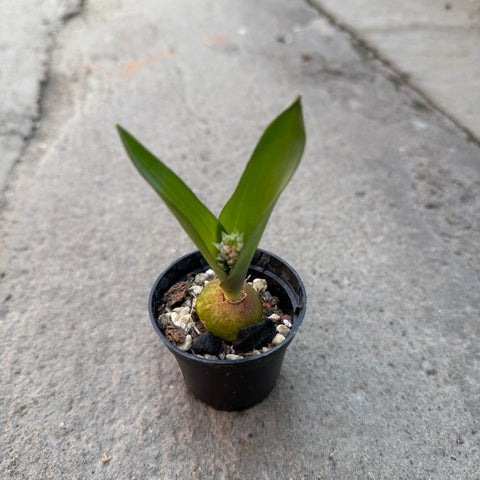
<point x="230" y="309"/>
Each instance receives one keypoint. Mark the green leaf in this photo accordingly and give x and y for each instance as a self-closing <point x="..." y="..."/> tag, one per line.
<point x="200" y="224"/>
<point x="270" y="168"/>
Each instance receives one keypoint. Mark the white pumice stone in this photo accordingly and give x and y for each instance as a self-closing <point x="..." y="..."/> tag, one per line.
<point x="200" y="278"/>
<point x="274" y="317"/>
<point x="186" y="344"/>
<point x="259" y="284"/>
<point x="209" y="273"/>
<point x="283" y="330"/>
<point x="278" y="339"/>
<point x="265" y="349"/>
<point x="174" y="316"/>
<point x="232" y="356"/>
<point x="287" y="323"/>
<point x="184" y="311"/>
<point x="196" y="289"/>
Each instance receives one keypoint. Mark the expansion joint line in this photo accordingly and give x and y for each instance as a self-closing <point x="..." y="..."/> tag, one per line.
<point x="402" y="77"/>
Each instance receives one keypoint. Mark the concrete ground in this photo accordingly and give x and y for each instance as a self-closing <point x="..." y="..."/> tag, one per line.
<point x="433" y="44"/>
<point x="381" y="221"/>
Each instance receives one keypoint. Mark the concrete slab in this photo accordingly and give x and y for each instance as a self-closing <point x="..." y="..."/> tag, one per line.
<point x="27" y="35"/>
<point x="381" y="221"/>
<point x="434" y="43"/>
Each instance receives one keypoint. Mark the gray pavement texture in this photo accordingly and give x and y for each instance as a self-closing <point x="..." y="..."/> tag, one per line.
<point x="27" y="33"/>
<point x="434" y="44"/>
<point x="381" y="221"/>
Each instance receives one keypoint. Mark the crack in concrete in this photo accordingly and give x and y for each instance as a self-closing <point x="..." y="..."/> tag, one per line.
<point x="43" y="84"/>
<point x="35" y="118"/>
<point x="69" y="15"/>
<point x="403" y="77"/>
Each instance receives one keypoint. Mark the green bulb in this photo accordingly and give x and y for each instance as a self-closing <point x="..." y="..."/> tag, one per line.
<point x="224" y="318"/>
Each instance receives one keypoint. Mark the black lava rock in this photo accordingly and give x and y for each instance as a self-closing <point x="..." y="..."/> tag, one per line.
<point x="207" y="343"/>
<point x="256" y="335"/>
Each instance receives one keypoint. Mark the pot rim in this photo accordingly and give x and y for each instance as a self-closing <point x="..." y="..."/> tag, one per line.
<point x="298" y="314"/>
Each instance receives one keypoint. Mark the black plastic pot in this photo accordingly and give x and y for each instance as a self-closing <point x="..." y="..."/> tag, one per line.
<point x="234" y="384"/>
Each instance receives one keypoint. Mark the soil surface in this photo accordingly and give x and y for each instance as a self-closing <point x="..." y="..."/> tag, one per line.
<point x="179" y="322"/>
